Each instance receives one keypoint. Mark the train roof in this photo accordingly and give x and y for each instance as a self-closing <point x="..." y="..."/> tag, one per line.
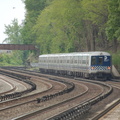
<point x="96" y="53"/>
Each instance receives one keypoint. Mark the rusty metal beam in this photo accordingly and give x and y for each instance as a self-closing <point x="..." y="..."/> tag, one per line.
<point x="17" y="47"/>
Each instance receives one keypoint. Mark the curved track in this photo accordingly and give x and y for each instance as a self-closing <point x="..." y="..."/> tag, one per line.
<point x="6" y="86"/>
<point x="10" y="85"/>
<point x="67" y="101"/>
<point x="106" y="113"/>
<point x="14" y="105"/>
<point x="43" y="87"/>
<point x="85" y="94"/>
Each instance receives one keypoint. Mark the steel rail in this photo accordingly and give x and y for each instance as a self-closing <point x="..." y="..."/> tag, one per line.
<point x="107" y="109"/>
<point x="47" y="97"/>
<point x="52" y="106"/>
<point x="86" y="106"/>
<point x="24" y="97"/>
<point x="13" y="87"/>
<point x="76" y="112"/>
<point x="20" y="78"/>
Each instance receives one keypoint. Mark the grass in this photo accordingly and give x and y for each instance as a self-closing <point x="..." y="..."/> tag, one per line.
<point x="116" y="60"/>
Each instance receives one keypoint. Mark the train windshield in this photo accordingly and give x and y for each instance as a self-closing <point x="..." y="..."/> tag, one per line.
<point x="93" y="60"/>
<point x="100" y="60"/>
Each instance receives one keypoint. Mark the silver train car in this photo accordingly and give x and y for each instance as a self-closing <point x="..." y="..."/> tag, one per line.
<point x="92" y="65"/>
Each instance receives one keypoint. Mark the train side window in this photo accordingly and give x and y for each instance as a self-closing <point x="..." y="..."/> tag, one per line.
<point x="71" y="60"/>
<point x="79" y="59"/>
<point x="57" y="60"/>
<point x="83" y="61"/>
<point x="93" y="61"/>
<point x="75" y="61"/>
<point x="87" y="60"/>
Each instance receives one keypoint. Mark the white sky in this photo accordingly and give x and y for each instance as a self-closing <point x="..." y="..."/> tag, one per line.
<point x="10" y="9"/>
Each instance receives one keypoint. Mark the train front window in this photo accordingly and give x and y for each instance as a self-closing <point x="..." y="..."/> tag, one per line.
<point x="100" y="60"/>
<point x="93" y="60"/>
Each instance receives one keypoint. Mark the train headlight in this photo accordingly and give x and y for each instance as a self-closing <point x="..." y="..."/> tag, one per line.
<point x="92" y="68"/>
<point x="108" y="68"/>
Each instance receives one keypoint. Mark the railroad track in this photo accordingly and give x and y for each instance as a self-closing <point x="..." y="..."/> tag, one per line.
<point x="56" y="88"/>
<point x="52" y="106"/>
<point x="78" y="111"/>
<point x="12" y="87"/>
<point x="19" y="77"/>
<point x="84" y="107"/>
<point x="71" y="111"/>
<point x="118" y="87"/>
<point x="31" y="97"/>
<point x="101" y="115"/>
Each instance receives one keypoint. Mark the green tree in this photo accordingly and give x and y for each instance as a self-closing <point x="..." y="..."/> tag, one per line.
<point x="95" y="19"/>
<point x="113" y="24"/>
<point x="33" y="9"/>
<point x="59" y="27"/>
<point x="11" y="59"/>
<point x="14" y="36"/>
<point x="13" y="32"/>
<point x="67" y="25"/>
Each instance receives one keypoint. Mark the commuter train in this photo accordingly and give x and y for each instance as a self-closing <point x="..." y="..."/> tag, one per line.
<point x="92" y="65"/>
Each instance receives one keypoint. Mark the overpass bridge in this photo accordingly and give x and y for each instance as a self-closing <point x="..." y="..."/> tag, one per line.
<point x="17" y="47"/>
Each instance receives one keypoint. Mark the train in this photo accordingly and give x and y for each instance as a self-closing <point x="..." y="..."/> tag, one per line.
<point x="91" y="65"/>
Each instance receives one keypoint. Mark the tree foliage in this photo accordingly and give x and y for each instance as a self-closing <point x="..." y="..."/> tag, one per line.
<point x="57" y="26"/>
<point x="11" y="59"/>
<point x="96" y="11"/>
<point x="66" y="26"/>
<point x="14" y="36"/>
<point x="33" y="9"/>
<point x="70" y="26"/>
<point x="113" y="24"/>
<point x="13" y="32"/>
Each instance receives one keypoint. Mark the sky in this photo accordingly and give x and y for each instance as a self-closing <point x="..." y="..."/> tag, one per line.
<point x="9" y="10"/>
